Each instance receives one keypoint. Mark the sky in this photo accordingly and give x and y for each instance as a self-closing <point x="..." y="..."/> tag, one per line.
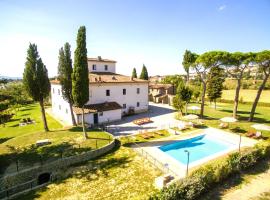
<point x="132" y="32"/>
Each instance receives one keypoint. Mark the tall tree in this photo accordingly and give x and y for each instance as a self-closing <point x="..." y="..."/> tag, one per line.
<point x="215" y="83"/>
<point x="188" y="59"/>
<point x="64" y="76"/>
<point x="144" y="73"/>
<point x="80" y="79"/>
<point x="203" y="64"/>
<point x="235" y="67"/>
<point x="178" y="104"/>
<point x="35" y="80"/>
<point x="134" y="73"/>
<point x="263" y="61"/>
<point x="184" y="93"/>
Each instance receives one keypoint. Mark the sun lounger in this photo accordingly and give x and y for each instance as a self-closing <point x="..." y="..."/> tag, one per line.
<point x="223" y="125"/>
<point x="258" y="135"/>
<point x="250" y="134"/>
<point x="159" y="133"/>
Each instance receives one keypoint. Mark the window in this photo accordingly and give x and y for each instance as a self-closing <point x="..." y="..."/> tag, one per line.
<point x="58" y="91"/>
<point x="53" y="90"/>
<point x="59" y="107"/>
<point x="138" y="104"/>
<point x="94" y="67"/>
<point x="138" y="90"/>
<point x="124" y="106"/>
<point x="124" y="91"/>
<point x="106" y="67"/>
<point x="108" y="93"/>
<point x="66" y="110"/>
<point x="101" y="114"/>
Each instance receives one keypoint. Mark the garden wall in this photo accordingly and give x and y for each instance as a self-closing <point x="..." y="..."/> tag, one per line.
<point x="14" y="179"/>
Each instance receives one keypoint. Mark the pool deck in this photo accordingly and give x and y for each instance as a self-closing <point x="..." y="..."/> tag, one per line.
<point x="178" y="168"/>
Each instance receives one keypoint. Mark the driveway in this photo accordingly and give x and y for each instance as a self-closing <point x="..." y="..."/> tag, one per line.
<point x="162" y="116"/>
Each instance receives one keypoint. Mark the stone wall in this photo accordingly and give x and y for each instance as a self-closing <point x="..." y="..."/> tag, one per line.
<point x="13" y="179"/>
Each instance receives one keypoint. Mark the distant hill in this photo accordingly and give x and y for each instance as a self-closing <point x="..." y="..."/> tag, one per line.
<point x="10" y="78"/>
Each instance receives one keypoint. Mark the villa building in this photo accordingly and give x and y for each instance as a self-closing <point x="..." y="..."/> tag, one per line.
<point x="161" y="93"/>
<point x="111" y="95"/>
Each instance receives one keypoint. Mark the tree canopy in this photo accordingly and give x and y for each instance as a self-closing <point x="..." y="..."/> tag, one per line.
<point x="80" y="79"/>
<point x="144" y="73"/>
<point x="35" y="79"/>
<point x="134" y="73"/>
<point x="189" y="59"/>
<point x="64" y="76"/>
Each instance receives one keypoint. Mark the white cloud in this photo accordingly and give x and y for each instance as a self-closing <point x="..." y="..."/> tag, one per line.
<point x="222" y="7"/>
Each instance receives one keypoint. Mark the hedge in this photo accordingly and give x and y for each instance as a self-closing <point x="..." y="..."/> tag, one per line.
<point x="203" y="178"/>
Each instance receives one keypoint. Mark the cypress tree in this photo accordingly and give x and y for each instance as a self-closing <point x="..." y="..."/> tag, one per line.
<point x="80" y="79"/>
<point x="144" y="73"/>
<point x="35" y="80"/>
<point x="134" y="73"/>
<point x="64" y="76"/>
<point x="215" y="83"/>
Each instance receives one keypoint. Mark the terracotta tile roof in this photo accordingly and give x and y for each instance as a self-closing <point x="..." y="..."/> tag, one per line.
<point x="100" y="107"/>
<point x="108" y="77"/>
<point x="160" y="86"/>
<point x="99" y="59"/>
<point x="55" y="81"/>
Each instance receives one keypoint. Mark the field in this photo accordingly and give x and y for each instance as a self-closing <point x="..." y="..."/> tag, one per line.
<point x="246" y="95"/>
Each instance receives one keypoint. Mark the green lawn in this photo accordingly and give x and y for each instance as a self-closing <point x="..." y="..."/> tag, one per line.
<point x="212" y="116"/>
<point x="119" y="175"/>
<point x="12" y="128"/>
<point x="18" y="143"/>
<point x="247" y="95"/>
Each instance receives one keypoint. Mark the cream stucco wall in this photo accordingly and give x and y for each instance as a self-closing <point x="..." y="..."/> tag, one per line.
<point x="98" y="94"/>
<point x="100" y="66"/>
<point x="60" y="107"/>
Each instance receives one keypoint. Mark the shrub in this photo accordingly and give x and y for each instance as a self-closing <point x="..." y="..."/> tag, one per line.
<point x="206" y="176"/>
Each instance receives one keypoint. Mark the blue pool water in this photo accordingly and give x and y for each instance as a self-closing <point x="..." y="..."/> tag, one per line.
<point x="199" y="147"/>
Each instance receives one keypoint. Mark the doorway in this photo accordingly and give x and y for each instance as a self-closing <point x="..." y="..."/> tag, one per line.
<point x="44" y="178"/>
<point x="95" y="118"/>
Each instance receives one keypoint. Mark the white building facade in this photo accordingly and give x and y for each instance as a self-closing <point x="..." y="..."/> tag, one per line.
<point x="111" y="95"/>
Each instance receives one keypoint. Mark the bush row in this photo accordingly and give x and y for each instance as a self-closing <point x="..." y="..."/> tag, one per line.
<point x="202" y="179"/>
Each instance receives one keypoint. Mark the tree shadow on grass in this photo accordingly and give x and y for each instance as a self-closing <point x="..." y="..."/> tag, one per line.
<point x="2" y="140"/>
<point x="240" y="112"/>
<point x="96" y="167"/>
<point x="27" y="157"/>
<point x="238" y="130"/>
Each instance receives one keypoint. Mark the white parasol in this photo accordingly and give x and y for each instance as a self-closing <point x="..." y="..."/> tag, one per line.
<point x="228" y="119"/>
<point x="190" y="117"/>
<point x="194" y="108"/>
<point x="261" y="127"/>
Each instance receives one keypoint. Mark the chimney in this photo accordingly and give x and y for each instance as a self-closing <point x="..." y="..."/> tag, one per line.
<point x="99" y="58"/>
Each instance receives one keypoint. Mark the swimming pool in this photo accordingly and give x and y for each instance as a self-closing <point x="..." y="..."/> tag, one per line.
<point x="200" y="147"/>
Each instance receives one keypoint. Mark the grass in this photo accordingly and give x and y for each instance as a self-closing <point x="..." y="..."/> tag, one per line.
<point x="212" y="117"/>
<point x="12" y="128"/>
<point x="18" y="143"/>
<point x="119" y="175"/>
<point x="246" y="95"/>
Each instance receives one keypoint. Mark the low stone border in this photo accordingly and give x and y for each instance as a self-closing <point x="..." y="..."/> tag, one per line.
<point x="18" y="178"/>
